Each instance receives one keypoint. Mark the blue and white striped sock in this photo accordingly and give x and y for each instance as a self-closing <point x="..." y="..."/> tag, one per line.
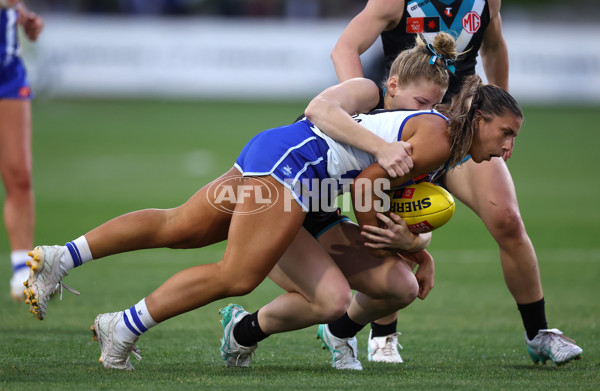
<point x="136" y="321"/>
<point x="78" y="254"/>
<point x="18" y="260"/>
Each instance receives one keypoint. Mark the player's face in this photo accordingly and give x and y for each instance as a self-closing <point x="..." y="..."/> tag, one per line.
<point x="421" y="95"/>
<point x="495" y="137"/>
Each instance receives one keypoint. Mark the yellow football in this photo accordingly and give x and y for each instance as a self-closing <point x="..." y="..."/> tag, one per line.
<point x="424" y="206"/>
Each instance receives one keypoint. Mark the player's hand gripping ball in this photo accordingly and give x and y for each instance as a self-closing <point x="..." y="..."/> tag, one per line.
<point x="424" y="206"/>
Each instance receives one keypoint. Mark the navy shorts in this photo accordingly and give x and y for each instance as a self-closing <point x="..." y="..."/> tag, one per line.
<point x="13" y="81"/>
<point x="292" y="154"/>
<point x="317" y="223"/>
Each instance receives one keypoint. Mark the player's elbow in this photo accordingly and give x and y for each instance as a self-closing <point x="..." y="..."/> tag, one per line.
<point x="316" y="109"/>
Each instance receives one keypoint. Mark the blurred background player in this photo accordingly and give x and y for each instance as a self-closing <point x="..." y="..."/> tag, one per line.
<point x="486" y="188"/>
<point x="15" y="138"/>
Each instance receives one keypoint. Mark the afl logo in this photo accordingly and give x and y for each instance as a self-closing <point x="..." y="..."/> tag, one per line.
<point x="471" y="22"/>
<point x="226" y="193"/>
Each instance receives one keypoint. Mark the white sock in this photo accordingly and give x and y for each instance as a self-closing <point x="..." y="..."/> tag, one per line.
<point x="19" y="259"/>
<point x="78" y="253"/>
<point x="136" y="321"/>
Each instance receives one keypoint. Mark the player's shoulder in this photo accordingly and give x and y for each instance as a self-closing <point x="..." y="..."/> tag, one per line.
<point x="494" y="7"/>
<point x="432" y="117"/>
<point x="428" y="122"/>
<point x="390" y="10"/>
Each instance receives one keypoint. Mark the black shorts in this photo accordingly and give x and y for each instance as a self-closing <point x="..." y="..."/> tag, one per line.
<point x="317" y="223"/>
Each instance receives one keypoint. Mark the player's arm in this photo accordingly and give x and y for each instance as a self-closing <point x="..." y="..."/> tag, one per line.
<point x="428" y="134"/>
<point x="331" y="111"/>
<point x="31" y="22"/>
<point x="361" y="33"/>
<point x="493" y="51"/>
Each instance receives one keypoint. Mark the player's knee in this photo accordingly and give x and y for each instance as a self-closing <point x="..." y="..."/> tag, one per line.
<point x="18" y="181"/>
<point x="405" y="293"/>
<point x="241" y="286"/>
<point x="333" y="305"/>
<point x="506" y="224"/>
<point x="401" y="287"/>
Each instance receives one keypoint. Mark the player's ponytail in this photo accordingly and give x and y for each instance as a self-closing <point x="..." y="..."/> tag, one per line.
<point x="474" y="101"/>
<point x="429" y="62"/>
<point x="445" y="45"/>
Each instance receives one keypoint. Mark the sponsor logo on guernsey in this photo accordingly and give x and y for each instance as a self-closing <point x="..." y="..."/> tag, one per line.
<point x="416" y="5"/>
<point x="448" y="12"/>
<point x="471" y="22"/>
<point x="423" y="25"/>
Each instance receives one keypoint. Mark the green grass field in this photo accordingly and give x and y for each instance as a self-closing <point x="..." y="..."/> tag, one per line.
<point x="95" y="160"/>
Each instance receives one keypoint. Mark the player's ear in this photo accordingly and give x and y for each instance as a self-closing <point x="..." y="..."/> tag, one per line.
<point x="478" y="118"/>
<point x="392" y="86"/>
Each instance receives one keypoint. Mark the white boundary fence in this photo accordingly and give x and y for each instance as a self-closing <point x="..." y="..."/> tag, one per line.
<point x="272" y="59"/>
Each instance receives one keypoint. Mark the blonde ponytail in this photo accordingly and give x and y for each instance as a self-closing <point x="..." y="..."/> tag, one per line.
<point x="426" y="62"/>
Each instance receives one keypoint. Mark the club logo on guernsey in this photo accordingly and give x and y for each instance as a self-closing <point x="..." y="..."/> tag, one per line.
<point x="287" y="170"/>
<point x="423" y="25"/>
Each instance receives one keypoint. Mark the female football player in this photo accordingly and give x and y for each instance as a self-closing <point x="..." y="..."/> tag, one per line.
<point x="15" y="138"/>
<point x="414" y="83"/>
<point x="482" y="121"/>
<point x="488" y="188"/>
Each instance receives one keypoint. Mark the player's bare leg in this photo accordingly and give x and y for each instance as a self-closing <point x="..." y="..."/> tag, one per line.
<point x="249" y="256"/>
<point x="16" y="170"/>
<point x="318" y="291"/>
<point x="194" y="224"/>
<point x="488" y="189"/>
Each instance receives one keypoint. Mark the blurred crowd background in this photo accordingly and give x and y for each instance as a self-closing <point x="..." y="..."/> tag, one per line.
<point x="579" y="9"/>
<point x="276" y="48"/>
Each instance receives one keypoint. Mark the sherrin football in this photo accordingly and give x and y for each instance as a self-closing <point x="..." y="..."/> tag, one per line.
<point x="424" y="206"/>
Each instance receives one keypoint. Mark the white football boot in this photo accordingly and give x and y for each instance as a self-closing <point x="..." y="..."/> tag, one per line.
<point x="114" y="352"/>
<point x="384" y="349"/>
<point x="551" y="344"/>
<point x="45" y="278"/>
<point x="234" y="354"/>
<point x="344" y="350"/>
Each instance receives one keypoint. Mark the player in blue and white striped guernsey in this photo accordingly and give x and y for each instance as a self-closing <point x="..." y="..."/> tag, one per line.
<point x="15" y="138"/>
<point x="233" y="207"/>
